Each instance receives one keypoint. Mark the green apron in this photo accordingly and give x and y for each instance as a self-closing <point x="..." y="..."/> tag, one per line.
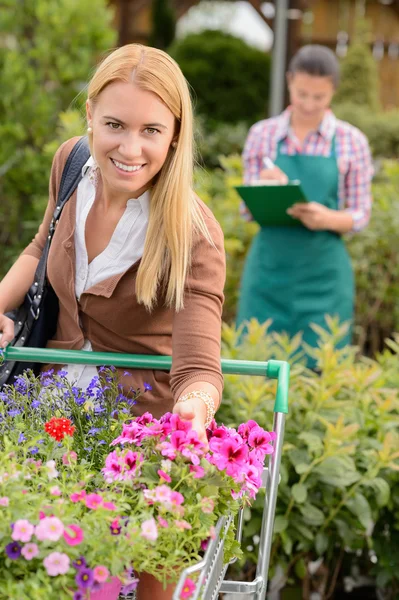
<point x="296" y="276"/>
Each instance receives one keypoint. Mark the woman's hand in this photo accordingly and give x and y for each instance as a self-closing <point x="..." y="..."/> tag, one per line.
<point x="6" y="330"/>
<point x="193" y="410"/>
<point x="313" y="215"/>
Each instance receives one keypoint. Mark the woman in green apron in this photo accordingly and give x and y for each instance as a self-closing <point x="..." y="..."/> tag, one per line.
<point x="298" y="275"/>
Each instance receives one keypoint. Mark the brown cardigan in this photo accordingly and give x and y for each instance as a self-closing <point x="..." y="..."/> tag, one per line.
<point x="113" y="320"/>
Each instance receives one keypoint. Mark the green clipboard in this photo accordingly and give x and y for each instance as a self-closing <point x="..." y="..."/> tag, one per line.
<point x="268" y="204"/>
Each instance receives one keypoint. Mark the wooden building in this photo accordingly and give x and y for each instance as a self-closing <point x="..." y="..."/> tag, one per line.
<point x="328" y="22"/>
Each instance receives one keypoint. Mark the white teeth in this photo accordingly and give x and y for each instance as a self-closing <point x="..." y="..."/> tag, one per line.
<point x="126" y="167"/>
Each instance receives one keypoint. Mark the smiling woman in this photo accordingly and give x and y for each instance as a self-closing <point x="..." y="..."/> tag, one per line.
<point x="137" y="260"/>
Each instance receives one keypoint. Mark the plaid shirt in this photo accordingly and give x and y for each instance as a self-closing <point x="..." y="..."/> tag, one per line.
<point x="353" y="158"/>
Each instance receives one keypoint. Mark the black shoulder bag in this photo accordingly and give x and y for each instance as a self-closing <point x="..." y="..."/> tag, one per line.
<point x="36" y="319"/>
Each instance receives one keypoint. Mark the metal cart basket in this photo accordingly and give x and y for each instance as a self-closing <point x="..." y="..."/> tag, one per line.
<point x="210" y="572"/>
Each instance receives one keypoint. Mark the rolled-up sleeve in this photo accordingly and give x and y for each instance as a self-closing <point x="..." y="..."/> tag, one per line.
<point x="196" y="334"/>
<point x="358" y="196"/>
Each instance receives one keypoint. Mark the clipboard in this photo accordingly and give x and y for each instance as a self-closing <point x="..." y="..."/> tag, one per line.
<point x="268" y="204"/>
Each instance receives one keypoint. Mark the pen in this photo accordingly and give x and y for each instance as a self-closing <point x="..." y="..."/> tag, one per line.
<point x="267" y="163"/>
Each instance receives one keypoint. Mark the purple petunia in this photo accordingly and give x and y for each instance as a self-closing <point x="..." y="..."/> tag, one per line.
<point x="84" y="578"/>
<point x="79" y="595"/>
<point x="79" y="563"/>
<point x="13" y="550"/>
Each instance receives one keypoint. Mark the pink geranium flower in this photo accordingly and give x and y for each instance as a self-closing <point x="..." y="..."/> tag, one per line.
<point x="182" y="525"/>
<point x="29" y="551"/>
<point x="101" y="573"/>
<point x="78" y="496"/>
<point x="162" y="522"/>
<point x="188" y="589"/>
<point x="93" y="501"/>
<point x="69" y="457"/>
<point x="207" y="505"/>
<point x="231" y="456"/>
<point x="198" y="471"/>
<point x="149" y="530"/>
<point x="22" y="530"/>
<point x="163" y="494"/>
<point x="259" y="439"/>
<point x="49" y="528"/>
<point x="245" y="428"/>
<point x="164" y="476"/>
<point x="73" y="535"/>
<point x="56" y="563"/>
<point x="176" y="498"/>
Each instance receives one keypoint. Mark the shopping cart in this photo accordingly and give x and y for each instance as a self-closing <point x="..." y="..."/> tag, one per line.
<point x="210" y="572"/>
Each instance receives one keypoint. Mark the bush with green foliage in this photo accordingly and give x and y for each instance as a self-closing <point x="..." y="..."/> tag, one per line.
<point x="47" y="51"/>
<point x="374" y="251"/>
<point x="338" y="495"/>
<point x="359" y="81"/>
<point x="230" y="79"/>
<point x="381" y="128"/>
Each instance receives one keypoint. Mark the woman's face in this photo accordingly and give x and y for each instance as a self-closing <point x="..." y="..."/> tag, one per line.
<point x="310" y="95"/>
<point x="132" y="134"/>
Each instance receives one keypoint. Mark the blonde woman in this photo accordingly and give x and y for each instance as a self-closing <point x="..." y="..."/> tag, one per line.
<point x="137" y="260"/>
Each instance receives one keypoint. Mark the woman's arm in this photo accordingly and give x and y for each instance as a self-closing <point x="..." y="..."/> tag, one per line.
<point x="12" y="292"/>
<point x="357" y="195"/>
<point x="196" y="334"/>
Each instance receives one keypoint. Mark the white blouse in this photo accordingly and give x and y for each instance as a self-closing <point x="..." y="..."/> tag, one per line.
<point x="124" y="249"/>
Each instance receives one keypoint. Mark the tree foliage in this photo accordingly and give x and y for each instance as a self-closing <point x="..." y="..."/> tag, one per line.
<point x="47" y="50"/>
<point x="230" y="79"/>
<point x="359" y="73"/>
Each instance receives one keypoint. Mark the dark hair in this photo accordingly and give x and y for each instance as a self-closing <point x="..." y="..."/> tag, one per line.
<point x="316" y="60"/>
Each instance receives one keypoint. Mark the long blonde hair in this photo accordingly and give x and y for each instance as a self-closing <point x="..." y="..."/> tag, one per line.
<point x="175" y="216"/>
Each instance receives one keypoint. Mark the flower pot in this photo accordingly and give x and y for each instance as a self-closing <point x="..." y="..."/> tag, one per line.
<point x="109" y="591"/>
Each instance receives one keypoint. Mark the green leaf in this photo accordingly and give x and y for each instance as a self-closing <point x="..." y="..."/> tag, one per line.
<point x="381" y="489"/>
<point x="299" y="492"/>
<point x="321" y="542"/>
<point x="287" y="543"/>
<point x="280" y="524"/>
<point x="300" y="568"/>
<point x="312" y="440"/>
<point x="359" y="506"/>
<point x="312" y="515"/>
<point x="339" y="471"/>
<point x="301" y="468"/>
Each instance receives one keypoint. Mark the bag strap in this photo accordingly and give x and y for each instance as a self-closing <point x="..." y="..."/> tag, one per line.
<point x="70" y="179"/>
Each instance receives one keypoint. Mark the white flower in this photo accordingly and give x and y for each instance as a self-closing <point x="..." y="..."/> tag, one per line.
<point x="52" y="471"/>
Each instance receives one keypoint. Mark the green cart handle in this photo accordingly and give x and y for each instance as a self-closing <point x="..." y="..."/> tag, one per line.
<point x="273" y="369"/>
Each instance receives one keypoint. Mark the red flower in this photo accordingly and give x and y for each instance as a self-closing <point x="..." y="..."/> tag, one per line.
<point x="59" y="428"/>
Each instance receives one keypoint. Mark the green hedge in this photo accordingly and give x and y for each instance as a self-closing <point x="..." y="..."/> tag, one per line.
<point x="338" y="499"/>
<point x="230" y="79"/>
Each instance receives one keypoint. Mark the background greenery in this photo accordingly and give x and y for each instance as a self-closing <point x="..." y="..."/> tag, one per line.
<point x="47" y="52"/>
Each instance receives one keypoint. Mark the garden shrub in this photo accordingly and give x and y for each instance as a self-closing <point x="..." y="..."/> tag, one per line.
<point x="230" y="79"/>
<point x="42" y="70"/>
<point x="338" y="496"/>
